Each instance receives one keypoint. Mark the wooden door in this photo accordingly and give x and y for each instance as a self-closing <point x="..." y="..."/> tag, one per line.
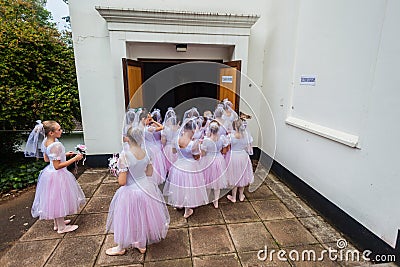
<point x="229" y="83"/>
<point x="133" y="79"/>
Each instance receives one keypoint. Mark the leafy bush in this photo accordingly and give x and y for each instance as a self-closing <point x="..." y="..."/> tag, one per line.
<point x="20" y="176"/>
<point x="37" y="71"/>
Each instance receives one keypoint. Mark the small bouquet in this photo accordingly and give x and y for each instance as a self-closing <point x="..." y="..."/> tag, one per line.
<point x="113" y="164"/>
<point x="82" y="149"/>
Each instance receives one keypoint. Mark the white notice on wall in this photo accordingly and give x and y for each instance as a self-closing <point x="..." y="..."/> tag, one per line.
<point x="307" y="80"/>
<point x="227" y="79"/>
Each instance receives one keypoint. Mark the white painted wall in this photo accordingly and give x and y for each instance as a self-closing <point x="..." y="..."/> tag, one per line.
<point x="353" y="49"/>
<point x="168" y="51"/>
<point x="351" y="46"/>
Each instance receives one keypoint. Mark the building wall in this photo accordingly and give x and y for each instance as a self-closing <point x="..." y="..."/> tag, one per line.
<point x="353" y="50"/>
<point x="351" y="47"/>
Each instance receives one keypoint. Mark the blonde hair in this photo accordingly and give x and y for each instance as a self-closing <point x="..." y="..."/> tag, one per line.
<point x="135" y="135"/>
<point x="49" y="126"/>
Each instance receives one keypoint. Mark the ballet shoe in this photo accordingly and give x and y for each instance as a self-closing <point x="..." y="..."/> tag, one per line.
<point x="142" y="250"/>
<point x="114" y="252"/>
<point x="215" y="202"/>
<point x="68" y="228"/>
<point x="189" y="213"/>
<point x="65" y="221"/>
<point x="241" y="198"/>
<point x="233" y="200"/>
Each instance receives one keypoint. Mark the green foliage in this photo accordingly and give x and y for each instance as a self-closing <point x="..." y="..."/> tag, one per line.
<point x="20" y="176"/>
<point x="37" y="69"/>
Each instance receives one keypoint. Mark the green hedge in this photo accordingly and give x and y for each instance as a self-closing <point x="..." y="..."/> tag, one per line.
<point x="20" y="176"/>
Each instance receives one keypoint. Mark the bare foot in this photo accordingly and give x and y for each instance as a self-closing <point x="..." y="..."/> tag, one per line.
<point x="241" y="198"/>
<point x="68" y="228"/>
<point x="115" y="251"/>
<point x="187" y="215"/>
<point x="65" y="221"/>
<point x="231" y="198"/>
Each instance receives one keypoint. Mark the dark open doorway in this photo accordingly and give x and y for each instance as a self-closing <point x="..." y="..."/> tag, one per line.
<point x="178" y="96"/>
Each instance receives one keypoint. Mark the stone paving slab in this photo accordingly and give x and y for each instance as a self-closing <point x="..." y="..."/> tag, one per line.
<point x="33" y="253"/>
<point x="290" y="232"/>
<point x="208" y="240"/>
<point x="89" y="224"/>
<point x="250" y="259"/>
<point x="186" y="262"/>
<point x="272" y="217"/>
<point x="206" y="215"/>
<point x="272" y="209"/>
<point x="175" y="246"/>
<point x="262" y="193"/>
<point x="250" y="236"/>
<point x="238" y="212"/>
<point x="231" y="260"/>
<point x="76" y="251"/>
<point x="97" y="205"/>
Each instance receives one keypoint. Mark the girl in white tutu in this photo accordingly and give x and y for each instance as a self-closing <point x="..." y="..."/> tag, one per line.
<point x="153" y="144"/>
<point x="240" y="171"/>
<point x="229" y="115"/>
<point x="137" y="215"/>
<point x="168" y="137"/>
<point x="213" y="162"/>
<point x="57" y="192"/>
<point x="185" y="186"/>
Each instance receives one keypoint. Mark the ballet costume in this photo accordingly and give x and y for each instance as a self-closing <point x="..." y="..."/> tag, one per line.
<point x="214" y="166"/>
<point x="154" y="148"/>
<point x="239" y="170"/>
<point x="185" y="186"/>
<point x="170" y="137"/>
<point x="137" y="215"/>
<point x="58" y="194"/>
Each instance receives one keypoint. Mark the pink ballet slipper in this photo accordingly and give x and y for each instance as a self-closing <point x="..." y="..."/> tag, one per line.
<point x="115" y="251"/>
<point x="65" y="221"/>
<point x="231" y="198"/>
<point x="142" y="250"/>
<point x="68" y="228"/>
<point x="188" y="214"/>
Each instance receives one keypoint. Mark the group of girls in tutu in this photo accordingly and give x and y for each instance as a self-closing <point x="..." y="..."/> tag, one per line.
<point x="191" y="161"/>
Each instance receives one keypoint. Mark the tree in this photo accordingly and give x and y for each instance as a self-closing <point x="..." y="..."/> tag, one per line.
<point x="37" y="69"/>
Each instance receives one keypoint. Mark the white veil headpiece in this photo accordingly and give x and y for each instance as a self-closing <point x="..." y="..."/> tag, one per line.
<point x="128" y="120"/>
<point x="193" y="112"/>
<point x="170" y="118"/>
<point x="228" y="106"/>
<point x="156" y="113"/>
<point x="34" y="142"/>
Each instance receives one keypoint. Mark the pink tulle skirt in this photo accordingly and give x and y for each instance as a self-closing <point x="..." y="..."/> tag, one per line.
<point x="158" y="162"/>
<point x="138" y="215"/>
<point x="240" y="171"/>
<point x="185" y="186"/>
<point x="58" y="194"/>
<point x="215" y="171"/>
<point x="169" y="156"/>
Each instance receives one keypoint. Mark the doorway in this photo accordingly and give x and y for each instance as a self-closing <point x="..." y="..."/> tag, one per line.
<point x="142" y="91"/>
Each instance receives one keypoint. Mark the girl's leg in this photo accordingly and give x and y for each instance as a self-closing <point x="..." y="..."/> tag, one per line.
<point x="62" y="228"/>
<point x="233" y="196"/>
<point x="114" y="251"/>
<point x="188" y="212"/>
<point x="241" y="193"/>
<point x="216" y="197"/>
